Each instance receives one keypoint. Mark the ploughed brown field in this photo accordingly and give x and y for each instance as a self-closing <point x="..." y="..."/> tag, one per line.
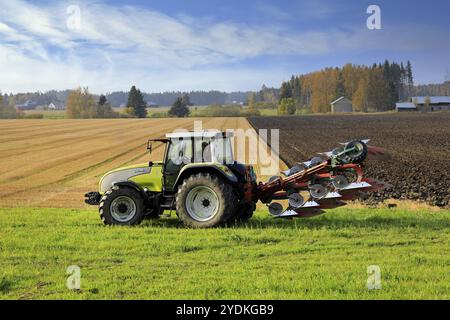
<point x="419" y="145"/>
<point x="53" y="163"/>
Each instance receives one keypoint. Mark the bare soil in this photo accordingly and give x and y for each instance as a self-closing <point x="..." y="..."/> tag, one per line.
<point x="418" y="145"/>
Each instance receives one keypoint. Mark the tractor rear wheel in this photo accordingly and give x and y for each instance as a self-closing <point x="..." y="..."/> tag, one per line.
<point x="121" y="206"/>
<point x="205" y="201"/>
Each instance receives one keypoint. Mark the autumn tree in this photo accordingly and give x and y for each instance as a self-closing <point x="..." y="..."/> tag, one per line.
<point x="6" y="111"/>
<point x="352" y="76"/>
<point x="427" y="104"/>
<point x="282" y="108"/>
<point x="287" y="106"/>
<point x="323" y="85"/>
<point x="81" y="104"/>
<point x="252" y="108"/>
<point x="251" y="100"/>
<point x="359" y="101"/>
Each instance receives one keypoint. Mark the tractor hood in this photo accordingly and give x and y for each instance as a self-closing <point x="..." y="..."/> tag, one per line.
<point x="139" y="173"/>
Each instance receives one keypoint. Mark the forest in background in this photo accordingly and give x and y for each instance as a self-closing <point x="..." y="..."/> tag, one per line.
<point x="120" y="98"/>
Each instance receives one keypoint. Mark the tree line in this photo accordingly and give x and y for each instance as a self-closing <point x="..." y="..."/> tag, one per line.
<point x="119" y="98"/>
<point x="82" y="105"/>
<point x="167" y="98"/>
<point x="442" y="89"/>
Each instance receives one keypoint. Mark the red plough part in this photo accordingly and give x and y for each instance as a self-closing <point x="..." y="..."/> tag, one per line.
<point x="321" y="183"/>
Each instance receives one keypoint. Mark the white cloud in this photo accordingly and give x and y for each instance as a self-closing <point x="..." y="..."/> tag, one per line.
<point x="273" y="11"/>
<point x="117" y="43"/>
<point x="120" y="46"/>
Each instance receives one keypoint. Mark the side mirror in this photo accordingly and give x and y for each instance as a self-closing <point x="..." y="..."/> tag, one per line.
<point x="149" y="146"/>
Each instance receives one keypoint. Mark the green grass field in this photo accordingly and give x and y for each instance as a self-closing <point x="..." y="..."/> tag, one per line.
<point x="48" y="114"/>
<point x="324" y="257"/>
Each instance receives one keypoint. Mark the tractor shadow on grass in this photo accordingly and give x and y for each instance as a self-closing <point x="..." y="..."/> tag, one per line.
<point x="353" y="223"/>
<point x="329" y="221"/>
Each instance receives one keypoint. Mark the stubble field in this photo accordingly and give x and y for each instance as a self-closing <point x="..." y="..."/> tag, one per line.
<point x="53" y="163"/>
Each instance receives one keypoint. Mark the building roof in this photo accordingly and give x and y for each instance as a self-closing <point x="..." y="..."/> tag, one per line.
<point x="337" y="100"/>
<point x="433" y="100"/>
<point x="56" y="104"/>
<point x="405" y="105"/>
<point x="28" y="103"/>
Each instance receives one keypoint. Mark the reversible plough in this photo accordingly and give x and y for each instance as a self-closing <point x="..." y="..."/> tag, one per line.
<point x="322" y="182"/>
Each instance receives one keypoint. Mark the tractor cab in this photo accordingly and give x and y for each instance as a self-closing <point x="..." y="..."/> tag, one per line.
<point x="192" y="150"/>
<point x="204" y="146"/>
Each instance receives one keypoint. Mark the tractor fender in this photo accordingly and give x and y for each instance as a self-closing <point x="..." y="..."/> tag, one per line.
<point x="132" y="185"/>
<point x="220" y="170"/>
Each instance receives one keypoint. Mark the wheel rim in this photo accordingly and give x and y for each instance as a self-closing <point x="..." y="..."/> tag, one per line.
<point x="358" y="149"/>
<point x="318" y="191"/>
<point x="123" y="209"/>
<point x="202" y="203"/>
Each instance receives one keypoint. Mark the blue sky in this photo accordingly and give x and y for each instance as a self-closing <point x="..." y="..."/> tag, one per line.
<point x="204" y="45"/>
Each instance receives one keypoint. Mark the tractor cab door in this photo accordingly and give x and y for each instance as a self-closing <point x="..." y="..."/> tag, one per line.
<point x="179" y="153"/>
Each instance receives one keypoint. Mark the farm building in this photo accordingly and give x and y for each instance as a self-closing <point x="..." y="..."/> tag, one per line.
<point x="28" y="105"/>
<point x="438" y="103"/>
<point x="56" y="106"/>
<point x="405" y="107"/>
<point x="341" y="105"/>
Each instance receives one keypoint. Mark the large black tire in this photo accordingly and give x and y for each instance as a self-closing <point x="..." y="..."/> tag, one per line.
<point x="205" y="201"/>
<point x="121" y="206"/>
<point x="359" y="155"/>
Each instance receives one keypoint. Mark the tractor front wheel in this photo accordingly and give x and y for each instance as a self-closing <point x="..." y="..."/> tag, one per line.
<point x="121" y="206"/>
<point x="205" y="201"/>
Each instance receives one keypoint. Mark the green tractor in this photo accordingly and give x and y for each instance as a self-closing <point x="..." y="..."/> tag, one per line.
<point x="198" y="178"/>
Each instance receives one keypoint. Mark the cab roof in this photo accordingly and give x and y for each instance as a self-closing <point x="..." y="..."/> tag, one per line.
<point x="200" y="134"/>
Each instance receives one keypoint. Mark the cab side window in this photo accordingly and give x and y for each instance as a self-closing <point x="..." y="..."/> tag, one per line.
<point x="180" y="153"/>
